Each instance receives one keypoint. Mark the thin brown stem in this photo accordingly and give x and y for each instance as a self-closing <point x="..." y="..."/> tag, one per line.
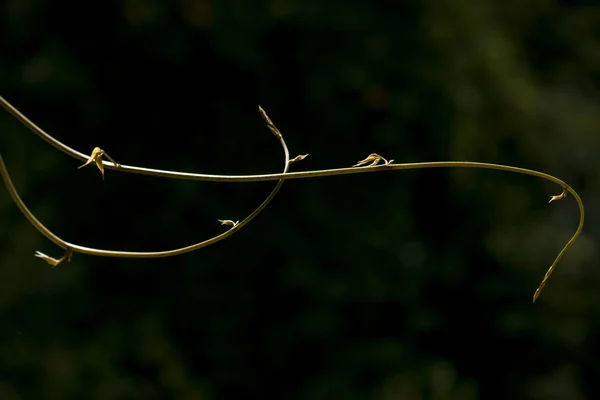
<point x="388" y="166"/>
<point x="72" y="247"/>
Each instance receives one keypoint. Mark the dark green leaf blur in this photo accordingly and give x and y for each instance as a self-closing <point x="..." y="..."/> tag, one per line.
<point x="400" y="285"/>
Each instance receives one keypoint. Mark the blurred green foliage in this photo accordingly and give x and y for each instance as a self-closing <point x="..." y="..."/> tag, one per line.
<point x="407" y="285"/>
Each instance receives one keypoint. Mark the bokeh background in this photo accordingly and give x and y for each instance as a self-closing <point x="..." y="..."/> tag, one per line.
<point x="406" y="285"/>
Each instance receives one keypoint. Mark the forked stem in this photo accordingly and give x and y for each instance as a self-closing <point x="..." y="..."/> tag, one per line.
<point x="72" y="247"/>
<point x="357" y="169"/>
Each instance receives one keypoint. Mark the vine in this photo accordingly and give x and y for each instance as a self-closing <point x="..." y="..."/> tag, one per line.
<point x="369" y="164"/>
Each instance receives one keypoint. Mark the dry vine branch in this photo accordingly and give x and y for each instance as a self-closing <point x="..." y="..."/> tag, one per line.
<point x="235" y="226"/>
<point x="96" y="156"/>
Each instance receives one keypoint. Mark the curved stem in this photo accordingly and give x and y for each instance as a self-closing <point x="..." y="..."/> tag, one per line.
<point x="266" y="177"/>
<point x="255" y="178"/>
<point x="40" y="132"/>
<point x="28" y="214"/>
<point x="72" y="247"/>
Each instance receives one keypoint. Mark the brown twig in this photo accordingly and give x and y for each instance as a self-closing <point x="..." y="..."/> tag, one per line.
<point x="359" y="168"/>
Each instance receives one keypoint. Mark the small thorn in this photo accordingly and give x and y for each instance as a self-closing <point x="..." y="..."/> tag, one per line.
<point x="374" y="159"/>
<point x="558" y="197"/>
<point x="228" y="222"/>
<point x="96" y="158"/>
<point x="53" y="261"/>
<point x="298" y="158"/>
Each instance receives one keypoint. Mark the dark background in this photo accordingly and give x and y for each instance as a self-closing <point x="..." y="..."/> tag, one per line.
<point x="397" y="285"/>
